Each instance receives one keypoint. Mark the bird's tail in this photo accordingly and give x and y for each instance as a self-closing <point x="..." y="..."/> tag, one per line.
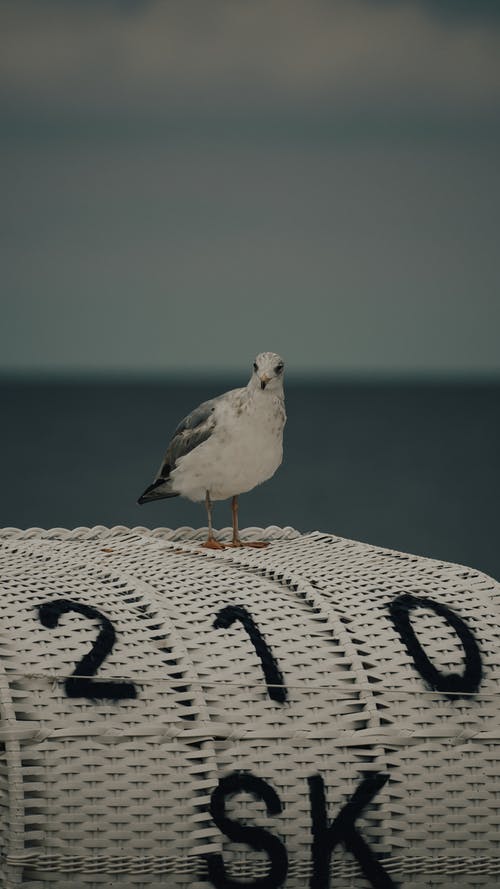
<point x="159" y="490"/>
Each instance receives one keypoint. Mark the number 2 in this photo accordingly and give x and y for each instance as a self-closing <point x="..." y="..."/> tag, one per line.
<point x="79" y="685"/>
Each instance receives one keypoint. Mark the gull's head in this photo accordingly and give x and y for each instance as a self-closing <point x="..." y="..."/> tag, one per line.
<point x="268" y="370"/>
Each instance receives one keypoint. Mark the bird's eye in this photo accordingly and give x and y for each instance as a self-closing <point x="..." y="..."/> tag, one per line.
<point x="255" y="366"/>
<point x="279" y="368"/>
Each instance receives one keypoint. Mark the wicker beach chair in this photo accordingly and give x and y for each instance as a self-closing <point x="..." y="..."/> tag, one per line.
<point x="320" y="712"/>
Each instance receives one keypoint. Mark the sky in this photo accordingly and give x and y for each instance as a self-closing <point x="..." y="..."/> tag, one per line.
<point x="185" y="184"/>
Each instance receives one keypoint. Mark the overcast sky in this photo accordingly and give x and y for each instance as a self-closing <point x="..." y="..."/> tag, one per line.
<point x="188" y="183"/>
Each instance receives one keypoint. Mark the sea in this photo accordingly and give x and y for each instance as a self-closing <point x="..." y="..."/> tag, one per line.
<point x="412" y="466"/>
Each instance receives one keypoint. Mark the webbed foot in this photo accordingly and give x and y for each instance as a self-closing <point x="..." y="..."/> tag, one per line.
<point x="256" y="544"/>
<point x="212" y="543"/>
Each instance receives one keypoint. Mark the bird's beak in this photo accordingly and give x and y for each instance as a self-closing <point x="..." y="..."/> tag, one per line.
<point x="263" y="380"/>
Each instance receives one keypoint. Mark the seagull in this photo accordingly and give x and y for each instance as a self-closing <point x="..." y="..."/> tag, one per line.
<point x="227" y="446"/>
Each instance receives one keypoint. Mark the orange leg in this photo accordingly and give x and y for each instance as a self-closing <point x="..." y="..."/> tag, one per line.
<point x="236" y="541"/>
<point x="211" y="542"/>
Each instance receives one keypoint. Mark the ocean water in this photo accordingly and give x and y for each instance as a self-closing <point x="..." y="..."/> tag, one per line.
<point x="414" y="467"/>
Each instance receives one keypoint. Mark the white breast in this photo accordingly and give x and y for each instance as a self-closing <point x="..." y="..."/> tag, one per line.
<point x="245" y="449"/>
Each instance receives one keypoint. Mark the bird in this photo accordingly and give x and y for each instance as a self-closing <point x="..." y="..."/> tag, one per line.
<point x="227" y="446"/>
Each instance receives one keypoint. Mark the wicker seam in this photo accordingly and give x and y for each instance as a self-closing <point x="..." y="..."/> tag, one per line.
<point x="397" y="865"/>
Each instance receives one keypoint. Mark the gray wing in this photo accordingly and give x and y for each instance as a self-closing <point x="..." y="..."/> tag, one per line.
<point x="192" y="431"/>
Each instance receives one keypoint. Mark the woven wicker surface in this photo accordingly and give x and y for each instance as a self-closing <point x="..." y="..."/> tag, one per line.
<point x="99" y="792"/>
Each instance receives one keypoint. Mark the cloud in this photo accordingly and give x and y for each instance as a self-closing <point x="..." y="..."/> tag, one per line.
<point x="152" y="58"/>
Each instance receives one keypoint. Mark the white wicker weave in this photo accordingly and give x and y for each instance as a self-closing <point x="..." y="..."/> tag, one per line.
<point x="98" y="792"/>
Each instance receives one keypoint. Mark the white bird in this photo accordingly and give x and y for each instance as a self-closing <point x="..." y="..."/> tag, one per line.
<point x="227" y="446"/>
